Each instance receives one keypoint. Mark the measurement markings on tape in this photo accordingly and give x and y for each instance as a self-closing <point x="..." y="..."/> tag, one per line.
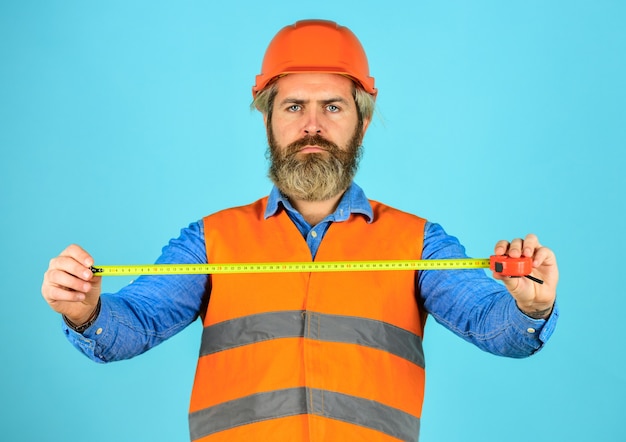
<point x="502" y="264"/>
<point x="289" y="267"/>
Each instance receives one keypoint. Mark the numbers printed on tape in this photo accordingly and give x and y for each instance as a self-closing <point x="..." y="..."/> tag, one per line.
<point x="503" y="265"/>
<point x="290" y="267"/>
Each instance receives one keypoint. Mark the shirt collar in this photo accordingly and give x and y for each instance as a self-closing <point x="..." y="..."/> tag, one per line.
<point x="352" y="201"/>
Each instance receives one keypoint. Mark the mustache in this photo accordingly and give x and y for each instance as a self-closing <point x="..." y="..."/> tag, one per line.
<point x="311" y="140"/>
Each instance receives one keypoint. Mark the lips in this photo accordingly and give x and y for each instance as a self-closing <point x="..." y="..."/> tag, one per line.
<point x="311" y="144"/>
<point x="312" y="149"/>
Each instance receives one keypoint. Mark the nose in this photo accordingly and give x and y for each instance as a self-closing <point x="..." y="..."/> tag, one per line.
<point x="312" y="122"/>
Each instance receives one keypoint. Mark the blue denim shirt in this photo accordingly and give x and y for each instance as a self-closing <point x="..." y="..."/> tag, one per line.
<point x="353" y="202"/>
<point x="468" y="302"/>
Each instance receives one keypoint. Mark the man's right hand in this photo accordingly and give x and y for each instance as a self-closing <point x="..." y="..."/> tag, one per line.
<point x="70" y="287"/>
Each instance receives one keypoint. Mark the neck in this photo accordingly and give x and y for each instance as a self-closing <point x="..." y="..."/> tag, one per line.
<point x="315" y="211"/>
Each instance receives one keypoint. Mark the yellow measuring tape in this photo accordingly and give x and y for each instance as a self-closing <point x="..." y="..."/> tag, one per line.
<point x="503" y="265"/>
<point x="291" y="267"/>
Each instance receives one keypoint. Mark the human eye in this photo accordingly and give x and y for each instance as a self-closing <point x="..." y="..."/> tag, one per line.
<point x="294" y="108"/>
<point x="332" y="108"/>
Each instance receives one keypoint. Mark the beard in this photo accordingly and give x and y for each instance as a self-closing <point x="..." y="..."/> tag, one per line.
<point x="316" y="176"/>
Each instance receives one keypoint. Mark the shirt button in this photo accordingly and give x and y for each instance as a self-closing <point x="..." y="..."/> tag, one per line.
<point x="313" y="233"/>
<point x="531" y="330"/>
<point x="99" y="331"/>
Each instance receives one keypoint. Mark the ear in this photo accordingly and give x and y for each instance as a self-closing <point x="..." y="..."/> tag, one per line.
<point x="366" y="123"/>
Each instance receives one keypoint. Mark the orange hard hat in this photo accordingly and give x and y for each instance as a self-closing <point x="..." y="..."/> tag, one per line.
<point x="315" y="46"/>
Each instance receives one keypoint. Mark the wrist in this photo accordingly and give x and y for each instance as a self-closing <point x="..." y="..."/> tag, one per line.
<point x="84" y="325"/>
<point x="537" y="312"/>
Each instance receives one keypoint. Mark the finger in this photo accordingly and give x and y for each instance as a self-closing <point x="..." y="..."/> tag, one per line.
<point x="515" y="248"/>
<point x="67" y="281"/>
<point x="530" y="245"/>
<point x="79" y="254"/>
<point x="544" y="256"/>
<point x="70" y="265"/>
<point x="56" y="294"/>
<point x="501" y="247"/>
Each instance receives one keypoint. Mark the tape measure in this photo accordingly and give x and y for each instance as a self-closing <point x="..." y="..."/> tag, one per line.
<point x="501" y="264"/>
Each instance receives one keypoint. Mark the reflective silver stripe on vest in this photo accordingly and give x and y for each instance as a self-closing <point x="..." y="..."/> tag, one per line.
<point x="332" y="328"/>
<point x="293" y="401"/>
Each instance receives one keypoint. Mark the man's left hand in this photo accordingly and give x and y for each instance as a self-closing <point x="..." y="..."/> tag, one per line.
<point x="533" y="299"/>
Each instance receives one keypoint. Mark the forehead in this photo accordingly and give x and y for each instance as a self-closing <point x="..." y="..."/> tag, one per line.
<point x="314" y="86"/>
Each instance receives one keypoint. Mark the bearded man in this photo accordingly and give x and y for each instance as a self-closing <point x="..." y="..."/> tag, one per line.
<point x="309" y="356"/>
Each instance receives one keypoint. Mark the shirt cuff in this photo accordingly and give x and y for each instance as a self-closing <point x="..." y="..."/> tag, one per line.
<point x="537" y="330"/>
<point x="92" y="338"/>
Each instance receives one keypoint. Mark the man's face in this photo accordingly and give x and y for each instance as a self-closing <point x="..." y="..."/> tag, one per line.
<point x="314" y="134"/>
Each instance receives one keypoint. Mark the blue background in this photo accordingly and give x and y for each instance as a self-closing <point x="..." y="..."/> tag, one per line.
<point x="122" y="122"/>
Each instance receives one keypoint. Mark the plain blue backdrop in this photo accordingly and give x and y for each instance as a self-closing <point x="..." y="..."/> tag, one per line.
<point x="123" y="121"/>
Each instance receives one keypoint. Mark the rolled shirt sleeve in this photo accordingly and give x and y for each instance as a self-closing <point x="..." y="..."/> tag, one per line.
<point x="151" y="309"/>
<point x="476" y="307"/>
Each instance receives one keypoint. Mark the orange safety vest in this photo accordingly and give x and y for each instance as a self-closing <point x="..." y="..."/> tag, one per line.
<point x="310" y="356"/>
